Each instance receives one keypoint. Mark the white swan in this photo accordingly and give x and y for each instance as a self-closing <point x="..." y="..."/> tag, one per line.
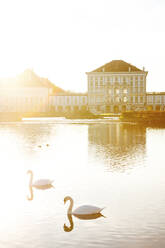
<point x="41" y="183"/>
<point x="82" y="210"/>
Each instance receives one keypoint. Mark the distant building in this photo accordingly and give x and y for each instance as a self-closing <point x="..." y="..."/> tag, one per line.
<point x="29" y="93"/>
<point x="116" y="87"/>
<point x="68" y="103"/>
<point x="156" y="101"/>
<point x="25" y="93"/>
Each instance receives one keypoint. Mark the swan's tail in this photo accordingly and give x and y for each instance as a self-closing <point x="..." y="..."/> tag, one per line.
<point x="103" y="215"/>
<point x="101" y="209"/>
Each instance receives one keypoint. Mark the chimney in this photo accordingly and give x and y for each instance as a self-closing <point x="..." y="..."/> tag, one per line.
<point x="143" y="68"/>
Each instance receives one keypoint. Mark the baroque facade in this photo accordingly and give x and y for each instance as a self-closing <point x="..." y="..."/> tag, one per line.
<point x="116" y="87"/>
<point x="68" y="103"/>
<point x="156" y="101"/>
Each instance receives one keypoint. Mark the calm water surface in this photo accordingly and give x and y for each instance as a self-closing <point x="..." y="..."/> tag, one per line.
<point x="114" y="165"/>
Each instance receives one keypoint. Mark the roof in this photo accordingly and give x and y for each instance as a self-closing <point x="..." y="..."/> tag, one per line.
<point x="28" y="79"/>
<point x="117" y="66"/>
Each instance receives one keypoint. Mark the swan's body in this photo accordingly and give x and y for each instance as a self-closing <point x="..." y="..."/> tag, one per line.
<point x="87" y="209"/>
<point x="41" y="183"/>
<point x="82" y="210"/>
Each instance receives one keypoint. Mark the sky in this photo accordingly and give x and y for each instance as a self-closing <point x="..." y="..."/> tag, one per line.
<point x="63" y="39"/>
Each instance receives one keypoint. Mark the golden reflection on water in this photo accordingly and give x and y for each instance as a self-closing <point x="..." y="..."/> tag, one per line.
<point x="115" y="165"/>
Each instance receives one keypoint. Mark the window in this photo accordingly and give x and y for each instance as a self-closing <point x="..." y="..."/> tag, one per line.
<point x="60" y="100"/>
<point x="117" y="91"/>
<point x="158" y="99"/>
<point x="110" y="91"/>
<point x="125" y="91"/>
<point x="125" y="99"/>
<point x="141" y="90"/>
<point x="117" y="99"/>
<point x="141" y="99"/>
<point x="68" y="100"/>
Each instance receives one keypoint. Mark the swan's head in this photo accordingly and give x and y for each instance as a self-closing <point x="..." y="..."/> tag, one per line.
<point x="29" y="172"/>
<point x="67" y="198"/>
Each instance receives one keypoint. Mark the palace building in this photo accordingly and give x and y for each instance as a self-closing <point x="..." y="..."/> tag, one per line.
<point x="116" y="87"/>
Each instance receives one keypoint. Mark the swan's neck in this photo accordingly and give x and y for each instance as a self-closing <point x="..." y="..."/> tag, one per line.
<point x="31" y="179"/>
<point x="70" y="206"/>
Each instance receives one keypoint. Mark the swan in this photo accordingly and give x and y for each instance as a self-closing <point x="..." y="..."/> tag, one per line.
<point x="41" y="183"/>
<point x="82" y="210"/>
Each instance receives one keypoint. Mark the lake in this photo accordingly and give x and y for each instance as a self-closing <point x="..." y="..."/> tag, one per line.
<point x="119" y="166"/>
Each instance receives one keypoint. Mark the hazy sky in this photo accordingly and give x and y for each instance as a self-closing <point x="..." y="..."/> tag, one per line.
<point x="63" y="39"/>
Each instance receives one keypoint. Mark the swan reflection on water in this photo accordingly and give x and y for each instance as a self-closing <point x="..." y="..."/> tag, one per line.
<point x="81" y="217"/>
<point x="31" y="195"/>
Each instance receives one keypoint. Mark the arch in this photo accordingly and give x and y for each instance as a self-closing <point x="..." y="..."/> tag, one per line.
<point x="150" y="107"/>
<point x="116" y="109"/>
<point x="68" y="108"/>
<point x="83" y="108"/>
<point x="123" y="109"/>
<point x="157" y="108"/>
<point x="107" y="109"/>
<point x="60" y="108"/>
